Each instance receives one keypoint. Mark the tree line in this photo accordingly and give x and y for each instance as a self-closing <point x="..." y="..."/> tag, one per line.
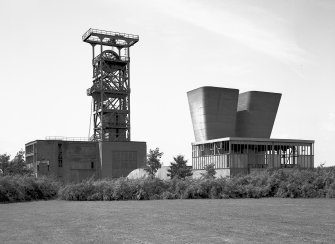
<point x="178" y="167"/>
<point x="15" y="166"/>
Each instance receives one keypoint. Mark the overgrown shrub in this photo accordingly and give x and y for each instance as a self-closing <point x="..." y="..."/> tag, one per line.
<point x="331" y="191"/>
<point x="168" y="195"/>
<point x="209" y="171"/>
<point x="17" y="188"/>
<point x="272" y="183"/>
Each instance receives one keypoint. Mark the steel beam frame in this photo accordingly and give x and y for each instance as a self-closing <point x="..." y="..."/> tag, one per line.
<point x="111" y="84"/>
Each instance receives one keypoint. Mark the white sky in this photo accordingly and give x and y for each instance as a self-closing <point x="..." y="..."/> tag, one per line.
<point x="277" y="46"/>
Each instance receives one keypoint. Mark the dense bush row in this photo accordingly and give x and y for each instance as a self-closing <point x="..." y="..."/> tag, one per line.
<point x="280" y="183"/>
<point x="16" y="188"/>
<point x="319" y="182"/>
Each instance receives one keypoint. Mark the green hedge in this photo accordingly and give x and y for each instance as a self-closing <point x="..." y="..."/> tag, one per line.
<point x="18" y="188"/>
<point x="319" y="182"/>
<point x="277" y="183"/>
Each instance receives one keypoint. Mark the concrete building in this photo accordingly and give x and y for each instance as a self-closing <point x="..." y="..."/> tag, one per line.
<point x="109" y="152"/>
<point x="71" y="160"/>
<point x="233" y="132"/>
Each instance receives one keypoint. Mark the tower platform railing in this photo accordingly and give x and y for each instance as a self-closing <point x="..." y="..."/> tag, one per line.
<point x="63" y="138"/>
<point x="109" y="33"/>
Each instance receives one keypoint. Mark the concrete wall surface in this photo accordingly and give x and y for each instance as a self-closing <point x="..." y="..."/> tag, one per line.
<point x="68" y="161"/>
<point x="46" y="152"/>
<point x="84" y="159"/>
<point x="213" y="112"/>
<point x="256" y="113"/>
<point x="80" y="161"/>
<point x="118" y="159"/>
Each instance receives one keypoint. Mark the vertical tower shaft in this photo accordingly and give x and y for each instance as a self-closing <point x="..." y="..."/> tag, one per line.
<point x="111" y="84"/>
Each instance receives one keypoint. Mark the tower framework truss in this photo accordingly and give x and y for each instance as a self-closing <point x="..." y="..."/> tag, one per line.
<point x="111" y="84"/>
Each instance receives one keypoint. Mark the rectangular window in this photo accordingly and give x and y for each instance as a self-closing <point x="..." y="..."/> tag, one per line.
<point x="60" y="156"/>
<point x="92" y="165"/>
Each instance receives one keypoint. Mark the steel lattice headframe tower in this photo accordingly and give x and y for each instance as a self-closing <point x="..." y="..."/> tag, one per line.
<point x="111" y="84"/>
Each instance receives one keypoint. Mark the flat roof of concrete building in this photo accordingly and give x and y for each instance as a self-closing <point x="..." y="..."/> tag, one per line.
<point x="73" y="139"/>
<point x="34" y="141"/>
<point x="246" y="139"/>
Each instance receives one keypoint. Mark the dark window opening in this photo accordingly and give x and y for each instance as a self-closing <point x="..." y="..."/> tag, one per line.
<point x="60" y="163"/>
<point x="48" y="167"/>
<point x="116" y="119"/>
<point x="38" y="167"/>
<point x="92" y="165"/>
<point x="60" y="153"/>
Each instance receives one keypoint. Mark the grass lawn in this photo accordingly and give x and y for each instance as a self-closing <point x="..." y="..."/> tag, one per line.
<point x="272" y="220"/>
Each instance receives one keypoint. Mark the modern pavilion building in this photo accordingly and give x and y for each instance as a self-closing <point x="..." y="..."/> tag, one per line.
<point x="233" y="131"/>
